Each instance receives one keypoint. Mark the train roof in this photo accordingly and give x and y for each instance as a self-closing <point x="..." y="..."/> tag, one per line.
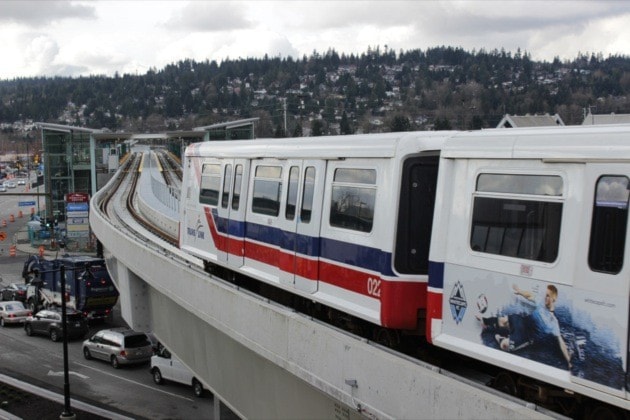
<point x="568" y="143"/>
<point x="359" y="145"/>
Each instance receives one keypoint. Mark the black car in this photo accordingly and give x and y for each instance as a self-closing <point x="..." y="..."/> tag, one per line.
<point x="14" y="291"/>
<point x="48" y="322"/>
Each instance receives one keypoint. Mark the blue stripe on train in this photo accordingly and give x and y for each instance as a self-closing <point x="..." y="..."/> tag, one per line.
<point x="362" y="257"/>
<point x="436" y="275"/>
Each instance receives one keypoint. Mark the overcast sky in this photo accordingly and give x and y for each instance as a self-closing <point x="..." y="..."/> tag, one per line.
<point x="72" y="38"/>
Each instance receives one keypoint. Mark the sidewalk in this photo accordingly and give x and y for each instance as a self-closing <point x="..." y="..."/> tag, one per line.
<point x="51" y="403"/>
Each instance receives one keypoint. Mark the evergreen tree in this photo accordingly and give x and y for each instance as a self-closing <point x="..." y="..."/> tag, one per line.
<point x="298" y="130"/>
<point x="400" y="123"/>
<point x="317" y="128"/>
<point x="344" y="126"/>
<point x="442" y="124"/>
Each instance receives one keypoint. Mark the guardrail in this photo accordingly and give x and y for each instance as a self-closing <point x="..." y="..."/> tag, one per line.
<point x="167" y="195"/>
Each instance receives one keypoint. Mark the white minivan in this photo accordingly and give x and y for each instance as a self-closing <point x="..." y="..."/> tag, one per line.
<point x="165" y="366"/>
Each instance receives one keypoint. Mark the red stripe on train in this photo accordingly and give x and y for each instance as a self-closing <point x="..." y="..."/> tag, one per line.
<point x="400" y="301"/>
<point x="434" y="311"/>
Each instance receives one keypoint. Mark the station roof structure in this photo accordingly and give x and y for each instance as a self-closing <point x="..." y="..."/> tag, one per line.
<point x="513" y="121"/>
<point x="612" y="118"/>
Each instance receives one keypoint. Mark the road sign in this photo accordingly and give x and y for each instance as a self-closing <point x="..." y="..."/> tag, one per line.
<point x="77" y="198"/>
<point x="3" y="236"/>
<point x="26" y="203"/>
<point x="77" y="207"/>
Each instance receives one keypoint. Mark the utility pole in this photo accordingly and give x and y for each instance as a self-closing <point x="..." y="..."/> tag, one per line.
<point x="67" y="409"/>
<point x="284" y="107"/>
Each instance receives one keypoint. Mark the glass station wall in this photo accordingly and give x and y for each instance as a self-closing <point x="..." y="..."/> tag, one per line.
<point x="67" y="168"/>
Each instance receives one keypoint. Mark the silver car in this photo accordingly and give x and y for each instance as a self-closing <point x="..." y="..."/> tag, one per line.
<point x="13" y="312"/>
<point x="118" y="346"/>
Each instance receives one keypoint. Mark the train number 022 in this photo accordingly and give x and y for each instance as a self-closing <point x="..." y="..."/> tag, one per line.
<point x="374" y="287"/>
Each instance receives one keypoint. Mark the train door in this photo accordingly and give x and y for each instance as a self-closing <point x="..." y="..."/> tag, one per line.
<point x="231" y="212"/>
<point x="599" y="340"/>
<point x="299" y="248"/>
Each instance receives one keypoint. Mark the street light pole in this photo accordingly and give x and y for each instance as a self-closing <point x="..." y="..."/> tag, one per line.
<point x="67" y="410"/>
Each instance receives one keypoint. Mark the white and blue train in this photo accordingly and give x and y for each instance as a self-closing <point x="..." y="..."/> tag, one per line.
<point x="506" y="245"/>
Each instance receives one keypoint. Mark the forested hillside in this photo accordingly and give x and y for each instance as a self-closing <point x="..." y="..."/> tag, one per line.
<point x="379" y="90"/>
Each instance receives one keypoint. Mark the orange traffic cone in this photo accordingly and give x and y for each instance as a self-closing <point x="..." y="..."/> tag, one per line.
<point x="11" y="218"/>
<point x="4" y="223"/>
<point x="41" y="250"/>
<point x="12" y="250"/>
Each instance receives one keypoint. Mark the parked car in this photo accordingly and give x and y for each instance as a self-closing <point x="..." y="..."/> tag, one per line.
<point x="13" y="312"/>
<point x="21" y="181"/>
<point x="48" y="322"/>
<point x="9" y="184"/>
<point x="14" y="291"/>
<point x="119" y="346"/>
<point x="3" y="188"/>
<point x="165" y="366"/>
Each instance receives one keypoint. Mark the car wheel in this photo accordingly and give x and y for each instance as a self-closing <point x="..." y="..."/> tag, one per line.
<point x="86" y="353"/>
<point x="115" y="363"/>
<point x="197" y="388"/>
<point x="54" y="335"/>
<point x="157" y="376"/>
<point x="28" y="329"/>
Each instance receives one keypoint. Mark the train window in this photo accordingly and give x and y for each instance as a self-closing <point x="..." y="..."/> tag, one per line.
<point x="609" y="224"/>
<point x="516" y="228"/>
<point x="356" y="176"/>
<point x="294" y="179"/>
<point x="353" y="198"/>
<point x="210" y="184"/>
<point x="227" y="181"/>
<point x="238" y="180"/>
<point x="307" y="195"/>
<point x="267" y="189"/>
<point x="520" y="184"/>
<point x="520" y="227"/>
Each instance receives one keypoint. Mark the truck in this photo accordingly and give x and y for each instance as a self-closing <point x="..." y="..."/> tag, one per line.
<point x="89" y="288"/>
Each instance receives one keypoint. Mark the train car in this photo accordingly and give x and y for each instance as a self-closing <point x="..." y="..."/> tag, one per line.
<point x="342" y="221"/>
<point x="529" y="261"/>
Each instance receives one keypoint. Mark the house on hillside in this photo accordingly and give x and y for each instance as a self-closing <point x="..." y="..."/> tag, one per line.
<point x="612" y="118"/>
<point x="514" y="121"/>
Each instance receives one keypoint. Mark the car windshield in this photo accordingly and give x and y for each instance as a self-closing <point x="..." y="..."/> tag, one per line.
<point x="139" y="340"/>
<point x="14" y="307"/>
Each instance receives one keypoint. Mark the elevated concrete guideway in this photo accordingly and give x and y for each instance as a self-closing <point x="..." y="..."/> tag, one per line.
<point x="266" y="361"/>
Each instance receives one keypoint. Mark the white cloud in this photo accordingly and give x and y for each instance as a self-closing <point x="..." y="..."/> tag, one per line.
<point x="209" y="17"/>
<point x="40" y="53"/>
<point x="87" y="37"/>
<point x="36" y="13"/>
